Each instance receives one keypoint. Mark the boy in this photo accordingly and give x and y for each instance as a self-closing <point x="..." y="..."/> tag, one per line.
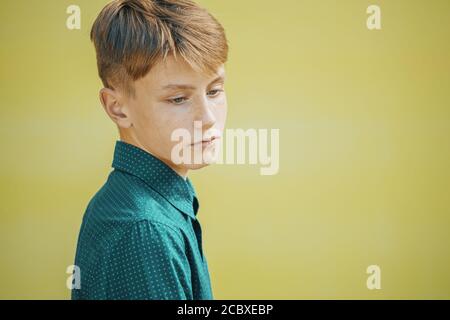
<point x="162" y="66"/>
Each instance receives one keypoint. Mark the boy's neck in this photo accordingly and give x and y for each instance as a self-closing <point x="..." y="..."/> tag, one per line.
<point x="182" y="172"/>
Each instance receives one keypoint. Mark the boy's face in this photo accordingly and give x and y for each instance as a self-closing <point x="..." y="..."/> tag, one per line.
<point x="172" y="96"/>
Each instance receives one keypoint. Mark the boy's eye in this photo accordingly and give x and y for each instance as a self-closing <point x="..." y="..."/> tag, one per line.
<point x="178" y="100"/>
<point x="214" y="93"/>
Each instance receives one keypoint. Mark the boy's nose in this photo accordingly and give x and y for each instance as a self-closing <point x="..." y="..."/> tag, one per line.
<point x="206" y="115"/>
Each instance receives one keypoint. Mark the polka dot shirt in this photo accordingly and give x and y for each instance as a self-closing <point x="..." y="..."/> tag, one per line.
<point x="140" y="237"/>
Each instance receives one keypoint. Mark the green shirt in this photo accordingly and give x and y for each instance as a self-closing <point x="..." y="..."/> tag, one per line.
<point x="140" y="237"/>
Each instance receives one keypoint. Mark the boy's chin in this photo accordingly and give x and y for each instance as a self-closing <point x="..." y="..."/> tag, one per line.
<point x="196" y="166"/>
<point x="207" y="159"/>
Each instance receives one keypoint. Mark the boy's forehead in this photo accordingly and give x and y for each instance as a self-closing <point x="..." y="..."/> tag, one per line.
<point x="172" y="72"/>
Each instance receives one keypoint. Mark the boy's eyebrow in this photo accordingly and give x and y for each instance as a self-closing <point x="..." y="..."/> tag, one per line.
<point x="220" y="78"/>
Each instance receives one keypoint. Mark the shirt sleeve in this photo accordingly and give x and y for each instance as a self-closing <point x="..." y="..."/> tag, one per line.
<point x="149" y="262"/>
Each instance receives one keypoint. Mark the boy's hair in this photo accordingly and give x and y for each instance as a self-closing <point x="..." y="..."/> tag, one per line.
<point x="130" y="36"/>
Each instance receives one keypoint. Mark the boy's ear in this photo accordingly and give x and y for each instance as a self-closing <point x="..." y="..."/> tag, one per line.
<point x="113" y="104"/>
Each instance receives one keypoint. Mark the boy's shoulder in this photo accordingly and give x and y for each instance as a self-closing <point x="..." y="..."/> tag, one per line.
<point x="125" y="198"/>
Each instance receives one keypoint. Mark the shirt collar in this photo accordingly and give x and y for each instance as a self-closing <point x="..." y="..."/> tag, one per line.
<point x="158" y="175"/>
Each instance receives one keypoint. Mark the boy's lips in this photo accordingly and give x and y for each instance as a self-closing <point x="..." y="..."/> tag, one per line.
<point x="206" y="142"/>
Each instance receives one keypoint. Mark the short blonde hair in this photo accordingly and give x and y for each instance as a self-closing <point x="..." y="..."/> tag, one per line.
<point x="130" y="36"/>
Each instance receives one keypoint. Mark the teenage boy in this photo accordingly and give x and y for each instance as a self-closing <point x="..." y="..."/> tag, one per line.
<point x="162" y="67"/>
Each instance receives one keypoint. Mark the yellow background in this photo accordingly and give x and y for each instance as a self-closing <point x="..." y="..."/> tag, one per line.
<point x="364" y="125"/>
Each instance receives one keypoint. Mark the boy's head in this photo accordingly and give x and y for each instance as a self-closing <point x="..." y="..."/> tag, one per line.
<point x="162" y="66"/>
